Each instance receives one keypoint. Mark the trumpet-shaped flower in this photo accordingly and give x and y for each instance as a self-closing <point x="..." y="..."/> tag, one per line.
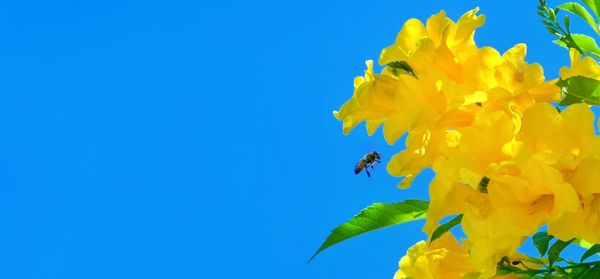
<point x="535" y="177"/>
<point x="504" y="157"/>
<point x="455" y="82"/>
<point x="444" y="259"/>
<point x="585" y="66"/>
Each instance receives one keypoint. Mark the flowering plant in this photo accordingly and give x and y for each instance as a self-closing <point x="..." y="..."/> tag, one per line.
<point x="508" y="148"/>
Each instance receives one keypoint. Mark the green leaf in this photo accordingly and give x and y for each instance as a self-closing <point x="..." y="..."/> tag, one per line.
<point x="533" y="260"/>
<point x="594" y="5"/>
<point x="592" y="273"/>
<point x="577" y="9"/>
<point x="548" y="23"/>
<point x="376" y="216"/>
<point x="560" y="271"/>
<point x="579" y="89"/>
<point x="557" y="247"/>
<point x="586" y="43"/>
<point x="577" y="271"/>
<point x="444" y="228"/>
<point x="541" y="241"/>
<point x="552" y="13"/>
<point x="554" y="32"/>
<point x="591" y="251"/>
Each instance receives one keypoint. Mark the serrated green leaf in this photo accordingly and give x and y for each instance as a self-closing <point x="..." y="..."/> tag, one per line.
<point x="444" y="228"/>
<point x="579" y="10"/>
<point x="557" y="247"/>
<point x="594" y="6"/>
<point x="579" y="89"/>
<point x="374" y="217"/>
<point x="589" y="252"/>
<point x="541" y="240"/>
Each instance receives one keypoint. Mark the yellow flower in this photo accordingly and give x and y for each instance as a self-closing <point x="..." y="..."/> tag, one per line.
<point x="579" y="164"/>
<point x="504" y="157"/>
<point x="585" y="66"/>
<point x="422" y="148"/>
<point x="534" y="177"/>
<point x="547" y="130"/>
<point x="458" y="175"/>
<point x="445" y="258"/>
<point x="440" y="30"/>
<point x="455" y="82"/>
<point x="402" y="102"/>
<point x="519" y="77"/>
<point x="583" y="224"/>
<point x="369" y="102"/>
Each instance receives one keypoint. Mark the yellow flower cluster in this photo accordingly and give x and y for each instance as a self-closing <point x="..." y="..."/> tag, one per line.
<point x="445" y="259"/>
<point x="504" y="157"/>
<point x="455" y="81"/>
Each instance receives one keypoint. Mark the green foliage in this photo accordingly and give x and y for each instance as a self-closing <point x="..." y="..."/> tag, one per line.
<point x="567" y="269"/>
<point x="374" y="217"/>
<point x="594" y="6"/>
<point x="541" y="240"/>
<point x="584" y="44"/>
<point x="579" y="89"/>
<point x="444" y="228"/>
<point x="579" y="10"/>
<point x="557" y="247"/>
<point x="590" y="251"/>
<point x="589" y="273"/>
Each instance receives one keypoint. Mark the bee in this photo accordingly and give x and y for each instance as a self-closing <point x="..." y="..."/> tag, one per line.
<point x="368" y="161"/>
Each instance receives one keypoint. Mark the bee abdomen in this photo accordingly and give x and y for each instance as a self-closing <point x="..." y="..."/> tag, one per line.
<point x="359" y="167"/>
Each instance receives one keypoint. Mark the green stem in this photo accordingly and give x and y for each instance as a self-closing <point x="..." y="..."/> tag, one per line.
<point x="581" y="264"/>
<point x="547" y="270"/>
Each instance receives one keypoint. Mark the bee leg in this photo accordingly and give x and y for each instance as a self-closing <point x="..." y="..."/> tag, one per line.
<point x="368" y="173"/>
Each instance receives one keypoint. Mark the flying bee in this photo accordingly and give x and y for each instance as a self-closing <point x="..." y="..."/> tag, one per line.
<point x="368" y="161"/>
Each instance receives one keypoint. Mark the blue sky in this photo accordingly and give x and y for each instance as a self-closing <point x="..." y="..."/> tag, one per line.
<point x="194" y="139"/>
